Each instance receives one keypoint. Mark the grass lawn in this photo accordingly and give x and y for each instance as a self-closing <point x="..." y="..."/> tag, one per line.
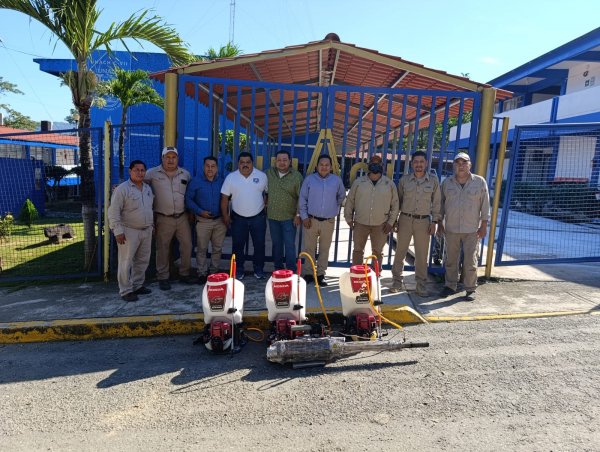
<point x="29" y="253"/>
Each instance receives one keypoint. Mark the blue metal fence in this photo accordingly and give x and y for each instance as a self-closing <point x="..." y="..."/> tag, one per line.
<point x="551" y="204"/>
<point x="142" y="141"/>
<point x="33" y="166"/>
<point x="222" y="117"/>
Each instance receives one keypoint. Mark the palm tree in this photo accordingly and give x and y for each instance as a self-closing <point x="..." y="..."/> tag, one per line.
<point x="227" y="51"/>
<point x="75" y="24"/>
<point x="131" y="88"/>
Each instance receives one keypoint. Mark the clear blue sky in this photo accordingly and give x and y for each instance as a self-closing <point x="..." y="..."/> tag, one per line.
<point x="479" y="37"/>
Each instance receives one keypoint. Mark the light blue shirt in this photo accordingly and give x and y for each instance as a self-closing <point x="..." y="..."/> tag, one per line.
<point x="321" y="197"/>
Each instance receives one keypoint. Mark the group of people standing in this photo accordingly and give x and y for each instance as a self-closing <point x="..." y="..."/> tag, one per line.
<point x="417" y="209"/>
<point x="166" y="200"/>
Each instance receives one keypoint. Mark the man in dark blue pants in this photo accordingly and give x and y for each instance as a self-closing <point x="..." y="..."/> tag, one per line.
<point x="282" y="212"/>
<point x="245" y="189"/>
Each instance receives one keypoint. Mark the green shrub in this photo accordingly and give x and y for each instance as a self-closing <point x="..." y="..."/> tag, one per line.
<point x="6" y="225"/>
<point x="28" y="213"/>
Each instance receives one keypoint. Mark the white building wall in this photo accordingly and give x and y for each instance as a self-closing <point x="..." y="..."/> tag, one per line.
<point x="579" y="103"/>
<point x="531" y="114"/>
<point x="583" y="76"/>
<point x="574" y="157"/>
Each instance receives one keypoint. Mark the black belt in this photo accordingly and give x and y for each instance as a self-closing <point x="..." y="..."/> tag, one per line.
<point x="319" y="218"/>
<point x="418" y="217"/>
<point x="235" y="214"/>
<point x="175" y="215"/>
<point x="211" y="218"/>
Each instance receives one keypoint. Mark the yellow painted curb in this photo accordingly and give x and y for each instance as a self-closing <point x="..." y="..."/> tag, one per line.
<point x="99" y="328"/>
<point x="155" y="325"/>
<point x="532" y="315"/>
<point x="398" y="313"/>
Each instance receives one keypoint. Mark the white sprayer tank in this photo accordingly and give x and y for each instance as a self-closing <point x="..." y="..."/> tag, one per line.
<point x="285" y="289"/>
<point x="354" y="290"/>
<point x="219" y="295"/>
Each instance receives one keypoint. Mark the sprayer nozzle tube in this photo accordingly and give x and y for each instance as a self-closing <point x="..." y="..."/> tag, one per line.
<point x="328" y="349"/>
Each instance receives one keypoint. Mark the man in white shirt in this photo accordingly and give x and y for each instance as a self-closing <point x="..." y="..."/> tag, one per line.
<point x="245" y="190"/>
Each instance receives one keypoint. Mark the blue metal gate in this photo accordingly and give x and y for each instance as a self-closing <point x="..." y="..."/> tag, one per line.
<point x="551" y="204"/>
<point x="222" y="117"/>
<point x="40" y="167"/>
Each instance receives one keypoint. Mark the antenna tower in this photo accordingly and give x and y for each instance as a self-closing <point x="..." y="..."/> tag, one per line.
<point x="231" y="20"/>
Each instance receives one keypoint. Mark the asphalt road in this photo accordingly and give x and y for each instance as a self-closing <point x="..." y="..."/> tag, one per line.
<point x="494" y="385"/>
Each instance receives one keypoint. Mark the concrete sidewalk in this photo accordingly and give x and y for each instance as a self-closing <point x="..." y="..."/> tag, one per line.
<point x="94" y="310"/>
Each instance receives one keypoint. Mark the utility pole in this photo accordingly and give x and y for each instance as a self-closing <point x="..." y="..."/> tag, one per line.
<point x="231" y="21"/>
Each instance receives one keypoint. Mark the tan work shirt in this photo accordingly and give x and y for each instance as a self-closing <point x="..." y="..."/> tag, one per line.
<point x="130" y="207"/>
<point x="420" y="196"/>
<point x="372" y="204"/>
<point x="169" y="194"/>
<point x="465" y="207"/>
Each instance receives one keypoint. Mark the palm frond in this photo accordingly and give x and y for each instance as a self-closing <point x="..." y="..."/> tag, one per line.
<point x="139" y="27"/>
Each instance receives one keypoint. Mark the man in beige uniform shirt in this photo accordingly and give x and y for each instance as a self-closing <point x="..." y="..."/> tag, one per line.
<point x="420" y="210"/>
<point x="371" y="210"/>
<point x="466" y="212"/>
<point x="169" y="183"/>
<point x="131" y="219"/>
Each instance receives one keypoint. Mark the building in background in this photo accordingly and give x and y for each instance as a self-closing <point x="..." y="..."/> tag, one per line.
<point x="559" y="87"/>
<point x="24" y="159"/>
<point x="102" y="64"/>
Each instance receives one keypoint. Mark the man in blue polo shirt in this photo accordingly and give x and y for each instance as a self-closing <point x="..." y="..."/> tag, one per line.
<point x="203" y="198"/>
<point x="245" y="189"/>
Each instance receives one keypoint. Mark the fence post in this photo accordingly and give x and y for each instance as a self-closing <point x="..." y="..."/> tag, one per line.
<point x="485" y="131"/>
<point x="171" y="87"/>
<point x="107" y="175"/>
<point x="497" y="190"/>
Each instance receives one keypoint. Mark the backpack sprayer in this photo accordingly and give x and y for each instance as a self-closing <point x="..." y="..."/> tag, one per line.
<point x="285" y="295"/>
<point x="223" y="308"/>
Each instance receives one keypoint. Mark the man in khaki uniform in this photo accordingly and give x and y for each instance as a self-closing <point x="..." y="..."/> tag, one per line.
<point x="131" y="219"/>
<point x="169" y="183"/>
<point x="371" y="210"/>
<point x="466" y="212"/>
<point x="420" y="210"/>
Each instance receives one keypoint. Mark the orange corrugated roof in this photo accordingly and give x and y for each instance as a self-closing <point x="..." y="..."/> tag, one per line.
<point x="28" y="135"/>
<point x="357" y="66"/>
<point x="331" y="62"/>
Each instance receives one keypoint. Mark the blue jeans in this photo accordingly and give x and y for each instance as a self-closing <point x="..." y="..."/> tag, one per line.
<point x="283" y="236"/>
<point x="257" y="227"/>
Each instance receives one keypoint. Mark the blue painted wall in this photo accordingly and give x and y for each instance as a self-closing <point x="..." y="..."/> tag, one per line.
<point x="102" y="64"/>
<point x="21" y="179"/>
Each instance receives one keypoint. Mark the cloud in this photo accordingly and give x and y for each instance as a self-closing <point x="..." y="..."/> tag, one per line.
<point x="489" y="60"/>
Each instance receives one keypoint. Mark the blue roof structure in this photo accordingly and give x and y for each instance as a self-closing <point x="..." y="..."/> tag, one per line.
<point x="102" y="64"/>
<point x="542" y="70"/>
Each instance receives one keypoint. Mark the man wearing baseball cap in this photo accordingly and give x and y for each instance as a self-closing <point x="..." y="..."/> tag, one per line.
<point x="371" y="210"/>
<point x="466" y="212"/>
<point x="169" y="183"/>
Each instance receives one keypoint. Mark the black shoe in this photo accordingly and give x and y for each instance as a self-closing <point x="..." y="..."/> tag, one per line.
<point x="164" y="284"/>
<point x="447" y="291"/>
<point x="129" y="297"/>
<point x="142" y="291"/>
<point x="189" y="279"/>
<point x="470" y="295"/>
<point x="309" y="279"/>
<point x="202" y="279"/>
<point x="321" y="280"/>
